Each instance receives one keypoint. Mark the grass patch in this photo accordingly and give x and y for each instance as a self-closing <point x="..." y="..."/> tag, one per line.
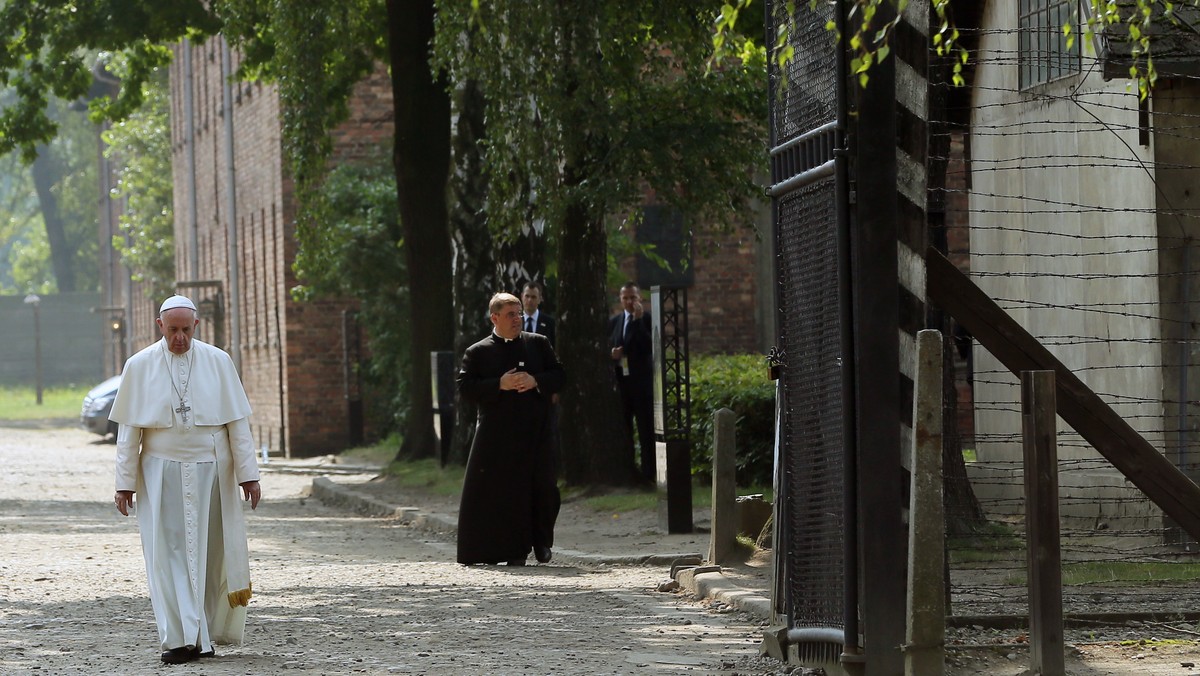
<point x="380" y="453"/>
<point x="1125" y="573"/>
<point x="631" y="499"/>
<point x="1154" y="643"/>
<point x="992" y="542"/>
<point x="618" y="500"/>
<point x="20" y="403"/>
<point x="426" y="474"/>
<point x="1134" y="572"/>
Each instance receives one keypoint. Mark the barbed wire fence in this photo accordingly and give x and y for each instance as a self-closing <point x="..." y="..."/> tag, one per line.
<point x="1075" y="207"/>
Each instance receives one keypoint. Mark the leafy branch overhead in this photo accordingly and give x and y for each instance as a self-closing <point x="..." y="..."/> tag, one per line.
<point x="139" y="150"/>
<point x="1140" y="30"/>
<point x="869" y="37"/>
<point x="47" y="49"/>
<point x="1130" y="27"/>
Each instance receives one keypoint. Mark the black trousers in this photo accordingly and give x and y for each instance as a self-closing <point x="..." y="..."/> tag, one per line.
<point x="638" y="403"/>
<point x="546" y="498"/>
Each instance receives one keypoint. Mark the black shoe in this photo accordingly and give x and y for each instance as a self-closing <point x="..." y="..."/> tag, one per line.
<point x="517" y="562"/>
<point x="180" y="655"/>
<point x="542" y="553"/>
<point x="211" y="652"/>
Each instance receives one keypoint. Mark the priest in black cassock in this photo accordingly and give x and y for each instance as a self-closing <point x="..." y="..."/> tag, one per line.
<point x="510" y="494"/>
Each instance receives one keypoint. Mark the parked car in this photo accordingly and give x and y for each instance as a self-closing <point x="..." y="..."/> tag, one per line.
<point x="96" y="406"/>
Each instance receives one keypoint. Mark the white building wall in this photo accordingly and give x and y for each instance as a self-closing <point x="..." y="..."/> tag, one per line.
<point x="1057" y="188"/>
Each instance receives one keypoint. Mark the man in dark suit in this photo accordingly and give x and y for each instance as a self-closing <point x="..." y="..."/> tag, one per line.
<point x="510" y="497"/>
<point x="633" y="365"/>
<point x="536" y="321"/>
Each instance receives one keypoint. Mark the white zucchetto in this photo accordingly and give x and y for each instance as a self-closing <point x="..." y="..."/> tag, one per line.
<point x="176" y="302"/>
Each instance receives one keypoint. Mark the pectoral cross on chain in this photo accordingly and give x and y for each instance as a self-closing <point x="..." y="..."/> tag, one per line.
<point x="183" y="411"/>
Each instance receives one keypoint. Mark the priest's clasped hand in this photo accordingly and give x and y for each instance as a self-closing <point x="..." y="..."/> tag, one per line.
<point x="519" y="381"/>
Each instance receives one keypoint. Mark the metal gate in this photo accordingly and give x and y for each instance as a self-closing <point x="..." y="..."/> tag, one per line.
<point x="840" y="553"/>
<point x="811" y="268"/>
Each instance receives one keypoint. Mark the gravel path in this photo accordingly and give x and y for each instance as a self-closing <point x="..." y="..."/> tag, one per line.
<point x="334" y="593"/>
<point x="337" y="593"/>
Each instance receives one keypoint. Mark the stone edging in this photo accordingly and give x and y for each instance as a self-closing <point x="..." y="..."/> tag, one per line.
<point x="701" y="581"/>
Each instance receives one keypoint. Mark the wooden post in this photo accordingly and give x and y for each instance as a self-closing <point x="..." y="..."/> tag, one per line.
<point x="723" y="539"/>
<point x="878" y="407"/>
<point x="924" y="643"/>
<point x="1038" y="433"/>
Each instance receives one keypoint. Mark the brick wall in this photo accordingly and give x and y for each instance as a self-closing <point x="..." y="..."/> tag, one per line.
<point x="722" y="303"/>
<point x="291" y="353"/>
<point x="730" y="306"/>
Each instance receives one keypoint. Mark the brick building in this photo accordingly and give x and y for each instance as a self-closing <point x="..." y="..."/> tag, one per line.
<point x="731" y="302"/>
<point x="235" y="244"/>
<point x="296" y="359"/>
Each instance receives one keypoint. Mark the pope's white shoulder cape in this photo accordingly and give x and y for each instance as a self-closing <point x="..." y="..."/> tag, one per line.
<point x="146" y="397"/>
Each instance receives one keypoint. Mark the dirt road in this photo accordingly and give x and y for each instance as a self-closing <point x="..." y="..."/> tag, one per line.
<point x="342" y="594"/>
<point x="334" y="593"/>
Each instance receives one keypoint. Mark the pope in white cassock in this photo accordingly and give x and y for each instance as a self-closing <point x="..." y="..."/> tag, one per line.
<point x="184" y="446"/>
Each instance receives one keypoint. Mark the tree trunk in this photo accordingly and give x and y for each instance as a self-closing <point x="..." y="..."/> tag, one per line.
<point x="45" y="174"/>
<point x="522" y="258"/>
<point x="964" y="515"/>
<point x="592" y="435"/>
<point x="474" y="264"/>
<point x="422" y="162"/>
<point x="590" y="423"/>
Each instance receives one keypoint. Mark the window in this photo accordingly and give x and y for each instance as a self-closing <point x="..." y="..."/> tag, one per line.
<point x="1042" y="52"/>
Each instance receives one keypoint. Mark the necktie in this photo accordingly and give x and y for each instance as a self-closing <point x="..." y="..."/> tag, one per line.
<point x="529" y="324"/>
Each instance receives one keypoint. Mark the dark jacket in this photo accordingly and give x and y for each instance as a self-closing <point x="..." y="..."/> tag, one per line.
<point x="545" y="326"/>
<point x="638" y="347"/>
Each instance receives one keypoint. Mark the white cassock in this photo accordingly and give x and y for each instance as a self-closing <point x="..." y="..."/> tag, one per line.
<point x="184" y="445"/>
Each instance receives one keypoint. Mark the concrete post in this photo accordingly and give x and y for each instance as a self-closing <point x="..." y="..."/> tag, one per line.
<point x="924" y="649"/>
<point x="723" y="539"/>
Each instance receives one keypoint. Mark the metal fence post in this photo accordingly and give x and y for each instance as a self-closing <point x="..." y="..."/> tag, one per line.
<point x="672" y="408"/>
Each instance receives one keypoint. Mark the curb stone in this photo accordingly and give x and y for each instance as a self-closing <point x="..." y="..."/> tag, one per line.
<point x="338" y="495"/>
<point x="707" y="582"/>
<point x="700" y="581"/>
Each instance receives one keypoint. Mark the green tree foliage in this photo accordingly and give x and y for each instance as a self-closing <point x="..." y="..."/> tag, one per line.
<point x="47" y="57"/>
<point x="739" y="383"/>
<point x="1130" y="21"/>
<point x="870" y="24"/>
<point x="593" y="107"/>
<point x="20" y="225"/>
<point x="139" y="149"/>
<point x="45" y="49"/>
<point x="1134" y="23"/>
<point x="48" y="211"/>
<point x="361" y="260"/>
<point x="315" y="51"/>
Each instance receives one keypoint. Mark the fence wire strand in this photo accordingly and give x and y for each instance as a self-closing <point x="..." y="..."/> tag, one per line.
<point x="1076" y="210"/>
